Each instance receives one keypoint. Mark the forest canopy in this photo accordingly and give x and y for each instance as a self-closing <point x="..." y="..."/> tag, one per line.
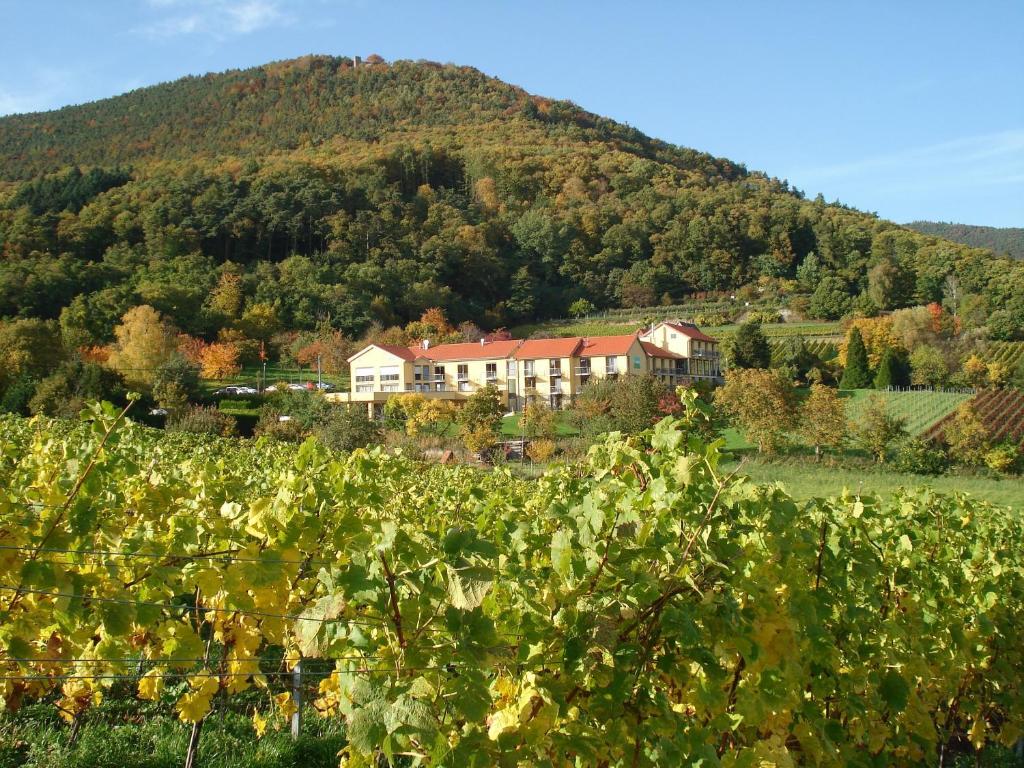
<point x="322" y="189"/>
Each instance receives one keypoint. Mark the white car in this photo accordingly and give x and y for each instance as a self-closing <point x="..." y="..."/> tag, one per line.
<point x="246" y="391"/>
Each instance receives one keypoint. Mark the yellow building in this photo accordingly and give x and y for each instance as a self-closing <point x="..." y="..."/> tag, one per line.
<point x="552" y="370"/>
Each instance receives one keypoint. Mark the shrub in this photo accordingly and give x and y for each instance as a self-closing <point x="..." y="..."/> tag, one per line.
<point x="1004" y="458"/>
<point x="876" y="429"/>
<point x="967" y="437"/>
<point x="346" y="429"/>
<point x="919" y="457"/>
<point x="202" y="420"/>
<point x="540" y="451"/>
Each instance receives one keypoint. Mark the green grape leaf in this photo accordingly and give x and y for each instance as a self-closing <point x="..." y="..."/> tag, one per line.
<point x="894" y="691"/>
<point x="467" y="587"/>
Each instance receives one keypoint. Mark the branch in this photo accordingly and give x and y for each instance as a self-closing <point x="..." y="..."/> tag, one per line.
<point x="396" y="613"/>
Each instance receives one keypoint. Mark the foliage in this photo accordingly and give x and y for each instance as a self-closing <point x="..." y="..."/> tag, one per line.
<point x="856" y="373"/>
<point x="928" y="367"/>
<point x="761" y="403"/>
<point x="282" y="197"/>
<point x="347" y="428"/>
<point x="482" y="410"/>
<point x="581" y="308"/>
<point x="639" y="609"/>
<point x="1004" y="458"/>
<point x="219" y="361"/>
<point x="823" y="419"/>
<point x="200" y="419"/>
<point x="748" y="348"/>
<point x="538" y="420"/>
<point x="892" y="370"/>
<point x="1008" y="240"/>
<point x="976" y="371"/>
<point x="920" y="457"/>
<point x="876" y="428"/>
<point x="967" y="436"/>
<point x="417" y="414"/>
<point x="540" y="451"/>
<point x="144" y="342"/>
<point x="628" y="404"/>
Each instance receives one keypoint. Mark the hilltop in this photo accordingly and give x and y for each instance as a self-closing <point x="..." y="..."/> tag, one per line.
<point x="1008" y="240"/>
<point x="361" y="194"/>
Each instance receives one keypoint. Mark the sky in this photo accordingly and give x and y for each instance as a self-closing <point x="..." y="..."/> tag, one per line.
<point x="911" y="109"/>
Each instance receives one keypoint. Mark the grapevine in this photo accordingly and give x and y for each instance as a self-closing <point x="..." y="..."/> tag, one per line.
<point x="639" y="609"/>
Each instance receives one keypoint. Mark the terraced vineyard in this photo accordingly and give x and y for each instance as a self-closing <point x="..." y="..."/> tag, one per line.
<point x="1000" y="410"/>
<point x="921" y="409"/>
<point x="1009" y="353"/>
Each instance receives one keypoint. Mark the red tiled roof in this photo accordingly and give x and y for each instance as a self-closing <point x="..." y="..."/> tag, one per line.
<point x="653" y="350"/>
<point x="535" y="349"/>
<point x="607" y="345"/>
<point x="468" y="350"/>
<point x="692" y="331"/>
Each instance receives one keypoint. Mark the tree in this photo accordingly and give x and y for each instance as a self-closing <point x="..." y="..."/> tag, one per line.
<point x="823" y="419"/>
<point x="856" y="374"/>
<point x="875" y="429"/>
<point x="538" y="420"/>
<point x="889" y="370"/>
<point x="830" y="300"/>
<point x="889" y="285"/>
<point x="975" y="371"/>
<point x="749" y="348"/>
<point x="481" y="412"/>
<point x="967" y="436"/>
<point x="29" y="349"/>
<point x="346" y="428"/>
<point x="260" y="321"/>
<point x="581" y="308"/>
<point x="762" y="403"/>
<point x="629" y="404"/>
<point x="998" y="374"/>
<point x="928" y="367"/>
<point x="522" y="301"/>
<point x="144" y="342"/>
<point x="219" y="361"/>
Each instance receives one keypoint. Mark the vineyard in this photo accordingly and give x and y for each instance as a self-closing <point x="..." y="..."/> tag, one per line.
<point x="1000" y="410"/>
<point x="1008" y="353"/>
<point x="920" y="408"/>
<point x="642" y="609"/>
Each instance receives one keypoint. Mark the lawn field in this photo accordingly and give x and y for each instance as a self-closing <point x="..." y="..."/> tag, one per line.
<point x="805" y="480"/>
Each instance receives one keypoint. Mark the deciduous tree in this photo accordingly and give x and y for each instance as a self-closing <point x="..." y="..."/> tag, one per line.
<point x="143" y="343"/>
<point x="823" y="419"/>
<point x="761" y="403"/>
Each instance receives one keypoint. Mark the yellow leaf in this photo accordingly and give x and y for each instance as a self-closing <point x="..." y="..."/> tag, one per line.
<point x="259" y="723"/>
<point x="151" y="685"/>
<point x="977" y="733"/>
<point x="285" y="705"/>
<point x="192" y="707"/>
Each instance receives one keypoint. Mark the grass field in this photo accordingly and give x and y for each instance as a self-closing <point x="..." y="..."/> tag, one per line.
<point x="563" y="427"/>
<point x="130" y="734"/>
<point x="805" y="480"/>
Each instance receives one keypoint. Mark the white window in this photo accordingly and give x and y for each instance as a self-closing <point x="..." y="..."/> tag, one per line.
<point x="389" y="373"/>
<point x="492" y="371"/>
<point x="511" y="369"/>
<point x="555" y="367"/>
<point x="610" y="366"/>
<point x="364" y="375"/>
<point x="528" y="368"/>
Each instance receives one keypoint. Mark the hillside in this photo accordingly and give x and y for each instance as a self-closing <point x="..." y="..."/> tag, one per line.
<point x="1008" y="240"/>
<point x="314" y="190"/>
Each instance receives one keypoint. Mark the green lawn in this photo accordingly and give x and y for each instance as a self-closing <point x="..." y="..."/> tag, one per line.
<point x="563" y="427"/>
<point x="805" y="480"/>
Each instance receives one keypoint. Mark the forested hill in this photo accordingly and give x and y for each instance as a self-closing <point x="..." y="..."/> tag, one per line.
<point x="309" y="190"/>
<point x="1008" y="240"/>
<point x="303" y="103"/>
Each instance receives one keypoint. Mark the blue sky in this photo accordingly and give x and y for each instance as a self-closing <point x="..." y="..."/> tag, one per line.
<point x="910" y="109"/>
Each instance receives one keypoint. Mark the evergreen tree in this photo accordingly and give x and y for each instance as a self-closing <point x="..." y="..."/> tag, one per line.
<point x="856" y="375"/>
<point x="888" y="373"/>
<point x="750" y="348"/>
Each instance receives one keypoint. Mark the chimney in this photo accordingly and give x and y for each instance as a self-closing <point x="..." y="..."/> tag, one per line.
<point x="426" y="343"/>
<point x="483" y="341"/>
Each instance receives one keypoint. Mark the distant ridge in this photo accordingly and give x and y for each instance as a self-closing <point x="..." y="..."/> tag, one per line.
<point x="1003" y="240"/>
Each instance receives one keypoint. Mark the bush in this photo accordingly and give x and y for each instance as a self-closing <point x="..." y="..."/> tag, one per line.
<point x="919" y="457"/>
<point x="540" y="451"/>
<point x="204" y="420"/>
<point x="1004" y="458"/>
<point x="347" y="429"/>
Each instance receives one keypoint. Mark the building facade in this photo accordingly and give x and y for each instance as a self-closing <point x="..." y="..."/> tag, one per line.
<point x="551" y="370"/>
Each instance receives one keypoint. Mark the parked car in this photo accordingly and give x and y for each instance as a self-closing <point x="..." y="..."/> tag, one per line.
<point x="237" y="389"/>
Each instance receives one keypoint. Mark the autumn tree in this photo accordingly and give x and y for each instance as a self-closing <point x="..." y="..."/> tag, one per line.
<point x="975" y="371"/>
<point x="876" y="430"/>
<point x="538" y="420"/>
<point x="928" y="367"/>
<point x="761" y="403"/>
<point x="219" y="361"/>
<point x="823" y="419"/>
<point x="967" y="436"/>
<point x="143" y="343"/>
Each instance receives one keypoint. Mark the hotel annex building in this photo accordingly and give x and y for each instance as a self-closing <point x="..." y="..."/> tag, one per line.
<point x="554" y="370"/>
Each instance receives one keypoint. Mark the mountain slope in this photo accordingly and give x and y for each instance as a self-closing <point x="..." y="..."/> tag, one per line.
<point x="314" y="191"/>
<point x="1008" y="240"/>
